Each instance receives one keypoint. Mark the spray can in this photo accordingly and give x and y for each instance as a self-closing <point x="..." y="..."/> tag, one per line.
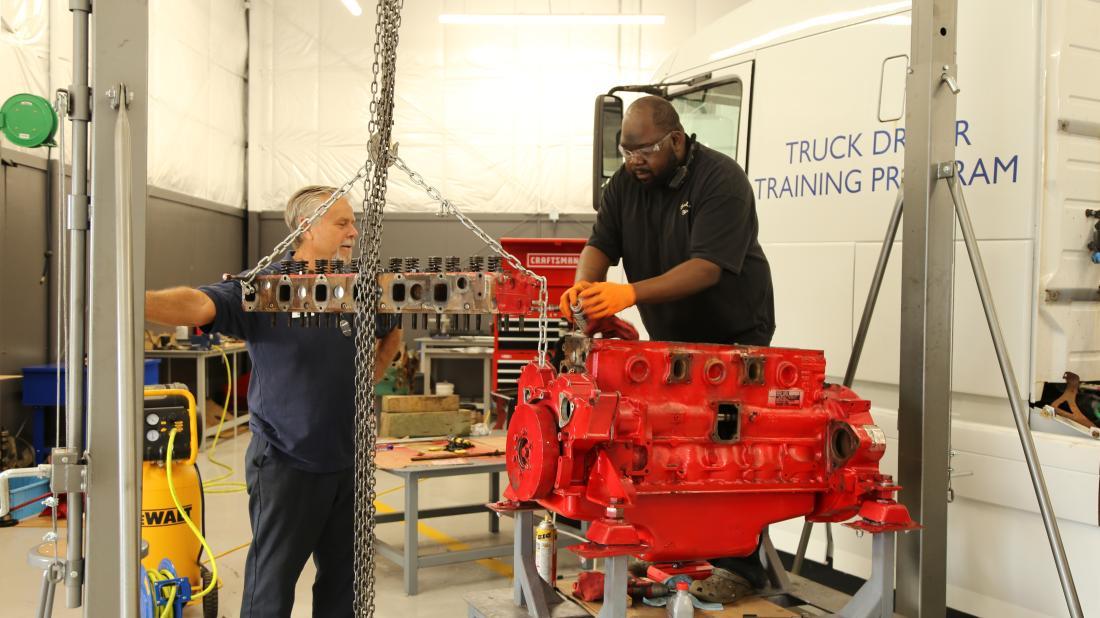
<point x="546" y="550"/>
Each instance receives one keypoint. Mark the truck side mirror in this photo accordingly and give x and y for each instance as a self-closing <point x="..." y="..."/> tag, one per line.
<point x="605" y="143"/>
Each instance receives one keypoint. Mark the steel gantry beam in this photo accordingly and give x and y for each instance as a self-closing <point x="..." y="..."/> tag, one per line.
<point x="928" y="262"/>
<point x="116" y="263"/>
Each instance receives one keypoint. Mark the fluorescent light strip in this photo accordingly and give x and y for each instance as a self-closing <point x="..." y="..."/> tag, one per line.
<point x="500" y="19"/>
<point x="353" y="7"/>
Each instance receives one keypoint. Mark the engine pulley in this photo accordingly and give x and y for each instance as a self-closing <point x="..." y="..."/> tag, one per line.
<point x="532" y="451"/>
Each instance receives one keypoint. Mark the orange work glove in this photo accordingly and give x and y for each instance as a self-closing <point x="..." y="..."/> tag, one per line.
<point x="604" y="299"/>
<point x="569" y="298"/>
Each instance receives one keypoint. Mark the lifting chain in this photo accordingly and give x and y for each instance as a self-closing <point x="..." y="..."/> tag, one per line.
<point x="374" y="175"/>
<point x="447" y="207"/>
<point x="367" y="293"/>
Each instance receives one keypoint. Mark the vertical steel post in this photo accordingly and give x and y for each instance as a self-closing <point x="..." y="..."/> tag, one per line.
<point x="117" y="266"/>
<point x="928" y="260"/>
<point x="81" y="115"/>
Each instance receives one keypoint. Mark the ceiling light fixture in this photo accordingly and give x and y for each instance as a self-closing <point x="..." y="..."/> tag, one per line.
<point x="353" y="7"/>
<point x="502" y="19"/>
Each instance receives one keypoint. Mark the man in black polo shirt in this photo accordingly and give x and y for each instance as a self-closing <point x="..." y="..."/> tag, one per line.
<point x="299" y="466"/>
<point x="682" y="219"/>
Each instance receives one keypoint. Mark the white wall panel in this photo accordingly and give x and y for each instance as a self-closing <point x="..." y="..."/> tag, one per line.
<point x="197" y="51"/>
<point x="24" y="50"/>
<point x="498" y="117"/>
<point x="813" y="298"/>
<point x="975" y="368"/>
<point x="974" y="365"/>
<point x="882" y="350"/>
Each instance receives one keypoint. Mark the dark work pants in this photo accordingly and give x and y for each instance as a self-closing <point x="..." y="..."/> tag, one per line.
<point x="295" y="514"/>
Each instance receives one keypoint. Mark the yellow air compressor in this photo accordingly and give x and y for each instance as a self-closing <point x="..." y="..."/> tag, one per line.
<point x="172" y="494"/>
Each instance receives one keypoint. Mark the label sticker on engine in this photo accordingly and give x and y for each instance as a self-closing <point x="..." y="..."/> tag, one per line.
<point x="785" y="397"/>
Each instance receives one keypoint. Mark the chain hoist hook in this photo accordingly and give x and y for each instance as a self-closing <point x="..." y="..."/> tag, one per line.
<point x="376" y="151"/>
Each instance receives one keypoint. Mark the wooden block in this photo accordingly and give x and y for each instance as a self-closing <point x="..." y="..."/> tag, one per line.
<point x="419" y="403"/>
<point x="414" y="424"/>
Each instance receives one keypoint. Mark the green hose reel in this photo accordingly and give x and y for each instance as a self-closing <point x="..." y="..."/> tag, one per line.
<point x="28" y="120"/>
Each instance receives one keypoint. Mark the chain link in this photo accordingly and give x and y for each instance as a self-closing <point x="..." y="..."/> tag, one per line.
<point x="367" y="296"/>
<point x="446" y="207"/>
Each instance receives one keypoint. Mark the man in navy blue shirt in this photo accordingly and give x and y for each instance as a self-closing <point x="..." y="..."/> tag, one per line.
<point x="299" y="466"/>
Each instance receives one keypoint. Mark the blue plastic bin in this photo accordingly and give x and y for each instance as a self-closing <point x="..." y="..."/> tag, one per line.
<point x="22" y="489"/>
<point x="40" y="382"/>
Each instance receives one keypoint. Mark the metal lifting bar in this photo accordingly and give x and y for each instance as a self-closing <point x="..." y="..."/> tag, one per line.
<point x="80" y="101"/>
<point x="115" y="303"/>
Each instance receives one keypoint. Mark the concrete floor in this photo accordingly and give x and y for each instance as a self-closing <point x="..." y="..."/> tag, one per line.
<point x="442" y="588"/>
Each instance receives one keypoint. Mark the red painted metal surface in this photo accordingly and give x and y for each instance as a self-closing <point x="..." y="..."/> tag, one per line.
<point x="679" y="452"/>
<point x="515" y="293"/>
<point x="553" y="258"/>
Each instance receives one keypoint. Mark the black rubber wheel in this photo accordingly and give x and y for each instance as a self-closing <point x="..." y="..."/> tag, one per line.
<point x="210" y="601"/>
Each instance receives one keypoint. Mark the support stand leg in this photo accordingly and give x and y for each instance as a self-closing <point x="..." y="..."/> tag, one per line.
<point x="1019" y="413"/>
<point x="803" y="543"/>
<point x="494" y="495"/>
<point x="875" y="599"/>
<point x="614" y="588"/>
<point x="529" y="590"/>
<point x="773" y="567"/>
<point x="45" y="601"/>
<point x="412" y="535"/>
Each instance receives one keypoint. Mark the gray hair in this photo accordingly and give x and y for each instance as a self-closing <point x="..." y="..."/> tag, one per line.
<point x="304" y="203"/>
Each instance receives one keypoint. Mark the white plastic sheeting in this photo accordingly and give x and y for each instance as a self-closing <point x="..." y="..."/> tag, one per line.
<point x="197" y="54"/>
<point x="24" y="48"/>
<point x="497" y="117"/>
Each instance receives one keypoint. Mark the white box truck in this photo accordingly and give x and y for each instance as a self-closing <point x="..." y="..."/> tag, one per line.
<point x="808" y="97"/>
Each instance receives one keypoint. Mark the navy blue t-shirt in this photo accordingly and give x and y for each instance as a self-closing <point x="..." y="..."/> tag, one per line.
<point x="301" y="396"/>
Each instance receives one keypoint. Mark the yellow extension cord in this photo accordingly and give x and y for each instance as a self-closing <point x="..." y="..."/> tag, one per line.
<point x="190" y="524"/>
<point x="219" y="485"/>
<point x="170" y="595"/>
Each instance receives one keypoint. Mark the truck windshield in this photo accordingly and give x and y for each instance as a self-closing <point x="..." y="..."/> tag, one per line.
<point x="713" y="114"/>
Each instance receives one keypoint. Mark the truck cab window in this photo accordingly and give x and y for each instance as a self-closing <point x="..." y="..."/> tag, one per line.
<point x="713" y="114"/>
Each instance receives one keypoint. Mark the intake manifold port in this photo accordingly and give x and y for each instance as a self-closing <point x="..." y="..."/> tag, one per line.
<point x="727" y="423"/>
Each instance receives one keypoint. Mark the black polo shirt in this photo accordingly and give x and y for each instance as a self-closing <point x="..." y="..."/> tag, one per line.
<point x="712" y="216"/>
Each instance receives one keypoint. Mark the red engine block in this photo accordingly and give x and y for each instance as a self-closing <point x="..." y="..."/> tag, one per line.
<point x="680" y="452"/>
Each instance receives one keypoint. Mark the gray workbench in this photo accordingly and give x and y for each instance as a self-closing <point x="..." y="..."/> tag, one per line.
<point x="465" y="348"/>
<point x="199" y="357"/>
<point x="409" y="557"/>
